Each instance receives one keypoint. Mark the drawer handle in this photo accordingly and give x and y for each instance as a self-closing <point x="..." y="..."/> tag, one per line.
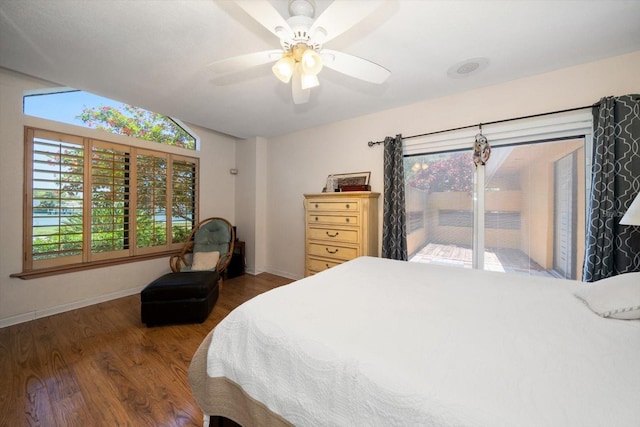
<point x="334" y="252"/>
<point x="333" y="235"/>
<point x="316" y="206"/>
<point x="316" y="218"/>
<point x="346" y="219"/>
<point x="347" y="205"/>
<point x="327" y="265"/>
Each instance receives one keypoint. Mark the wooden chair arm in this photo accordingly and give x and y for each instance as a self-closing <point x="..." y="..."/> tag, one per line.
<point x="223" y="262"/>
<point x="176" y="262"/>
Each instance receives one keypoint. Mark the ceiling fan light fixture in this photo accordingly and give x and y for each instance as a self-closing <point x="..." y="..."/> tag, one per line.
<point x="311" y="62"/>
<point x="283" y="69"/>
<point x="302" y="37"/>
<point x="308" y="81"/>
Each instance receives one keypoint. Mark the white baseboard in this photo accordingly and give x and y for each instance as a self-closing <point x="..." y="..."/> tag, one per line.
<point x="20" y="318"/>
<point x="32" y="315"/>
<point x="283" y="274"/>
<point x="255" y="272"/>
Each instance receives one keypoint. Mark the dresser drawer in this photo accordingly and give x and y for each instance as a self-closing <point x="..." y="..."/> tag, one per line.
<point x="317" y="265"/>
<point x="344" y="253"/>
<point x="334" y="234"/>
<point x="322" y="218"/>
<point x="334" y="205"/>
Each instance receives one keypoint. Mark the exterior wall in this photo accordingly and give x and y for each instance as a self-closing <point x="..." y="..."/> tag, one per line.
<point x="499" y="201"/>
<point x="416" y="200"/>
<point x="448" y="234"/>
<point x="537" y="212"/>
<point x="538" y="205"/>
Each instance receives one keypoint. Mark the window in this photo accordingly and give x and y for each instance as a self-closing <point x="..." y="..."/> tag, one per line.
<point x="151" y="205"/>
<point x="92" y="200"/>
<point x="523" y="212"/>
<point x="88" y="110"/>
<point x="415" y="221"/>
<point x="183" y="181"/>
<point x="57" y="195"/>
<point x="110" y="172"/>
<point x="495" y="219"/>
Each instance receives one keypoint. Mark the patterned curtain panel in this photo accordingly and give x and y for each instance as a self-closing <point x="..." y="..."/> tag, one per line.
<point x="394" y="231"/>
<point x="612" y="248"/>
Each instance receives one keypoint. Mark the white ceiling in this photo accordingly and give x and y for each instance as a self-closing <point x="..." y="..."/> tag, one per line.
<point x="154" y="53"/>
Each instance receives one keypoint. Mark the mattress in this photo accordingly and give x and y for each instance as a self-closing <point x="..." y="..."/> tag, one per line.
<point x="381" y="342"/>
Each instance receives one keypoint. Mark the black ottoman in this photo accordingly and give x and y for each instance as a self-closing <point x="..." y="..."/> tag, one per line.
<point x="184" y="297"/>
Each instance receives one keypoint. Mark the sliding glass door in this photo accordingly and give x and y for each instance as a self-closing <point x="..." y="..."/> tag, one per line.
<point x="522" y="213"/>
<point x="439" y="194"/>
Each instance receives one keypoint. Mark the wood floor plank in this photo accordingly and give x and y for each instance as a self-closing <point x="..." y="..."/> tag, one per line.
<point x="100" y="366"/>
<point x="35" y="408"/>
<point x="28" y="383"/>
<point x="100" y="393"/>
<point x="6" y="363"/>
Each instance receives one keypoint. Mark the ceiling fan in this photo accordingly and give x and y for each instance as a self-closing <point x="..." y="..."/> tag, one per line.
<point x="302" y="55"/>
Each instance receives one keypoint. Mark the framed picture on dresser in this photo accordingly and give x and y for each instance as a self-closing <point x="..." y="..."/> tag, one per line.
<point x="336" y="181"/>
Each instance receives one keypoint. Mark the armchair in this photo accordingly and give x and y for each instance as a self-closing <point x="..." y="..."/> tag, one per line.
<point x="199" y="252"/>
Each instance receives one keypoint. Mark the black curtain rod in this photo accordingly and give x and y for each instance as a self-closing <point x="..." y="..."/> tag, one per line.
<point x="372" y="143"/>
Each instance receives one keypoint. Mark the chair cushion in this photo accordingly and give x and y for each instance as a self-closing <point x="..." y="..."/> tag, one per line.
<point x="179" y="286"/>
<point x="205" y="261"/>
<point x="212" y="236"/>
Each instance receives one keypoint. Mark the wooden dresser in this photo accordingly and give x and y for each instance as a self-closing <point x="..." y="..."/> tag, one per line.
<point x="339" y="227"/>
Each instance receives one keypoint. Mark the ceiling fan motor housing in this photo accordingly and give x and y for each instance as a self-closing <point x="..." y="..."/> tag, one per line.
<point x="302" y="15"/>
<point x="302" y="8"/>
<point x="300" y="34"/>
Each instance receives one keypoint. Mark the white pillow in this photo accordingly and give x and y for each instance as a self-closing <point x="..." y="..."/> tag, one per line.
<point x="205" y="260"/>
<point x="617" y="296"/>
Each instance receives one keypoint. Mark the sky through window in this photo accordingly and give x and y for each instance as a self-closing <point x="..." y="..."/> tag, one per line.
<point x="67" y="106"/>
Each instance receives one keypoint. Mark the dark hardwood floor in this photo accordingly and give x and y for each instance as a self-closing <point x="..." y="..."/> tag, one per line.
<point x="100" y="366"/>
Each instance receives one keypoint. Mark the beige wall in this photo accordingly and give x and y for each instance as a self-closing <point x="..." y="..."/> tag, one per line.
<point x="300" y="162"/>
<point x="22" y="300"/>
<point x="251" y="201"/>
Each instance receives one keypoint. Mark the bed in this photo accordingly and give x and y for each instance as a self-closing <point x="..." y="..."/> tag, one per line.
<point x="380" y="342"/>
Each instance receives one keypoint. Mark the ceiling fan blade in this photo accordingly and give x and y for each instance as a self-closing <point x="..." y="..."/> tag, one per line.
<point x="354" y="66"/>
<point x="267" y="16"/>
<point x="242" y="62"/>
<point x="300" y="96"/>
<point x="341" y="15"/>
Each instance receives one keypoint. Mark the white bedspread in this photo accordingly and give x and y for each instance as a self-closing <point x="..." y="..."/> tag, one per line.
<point x="379" y="342"/>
